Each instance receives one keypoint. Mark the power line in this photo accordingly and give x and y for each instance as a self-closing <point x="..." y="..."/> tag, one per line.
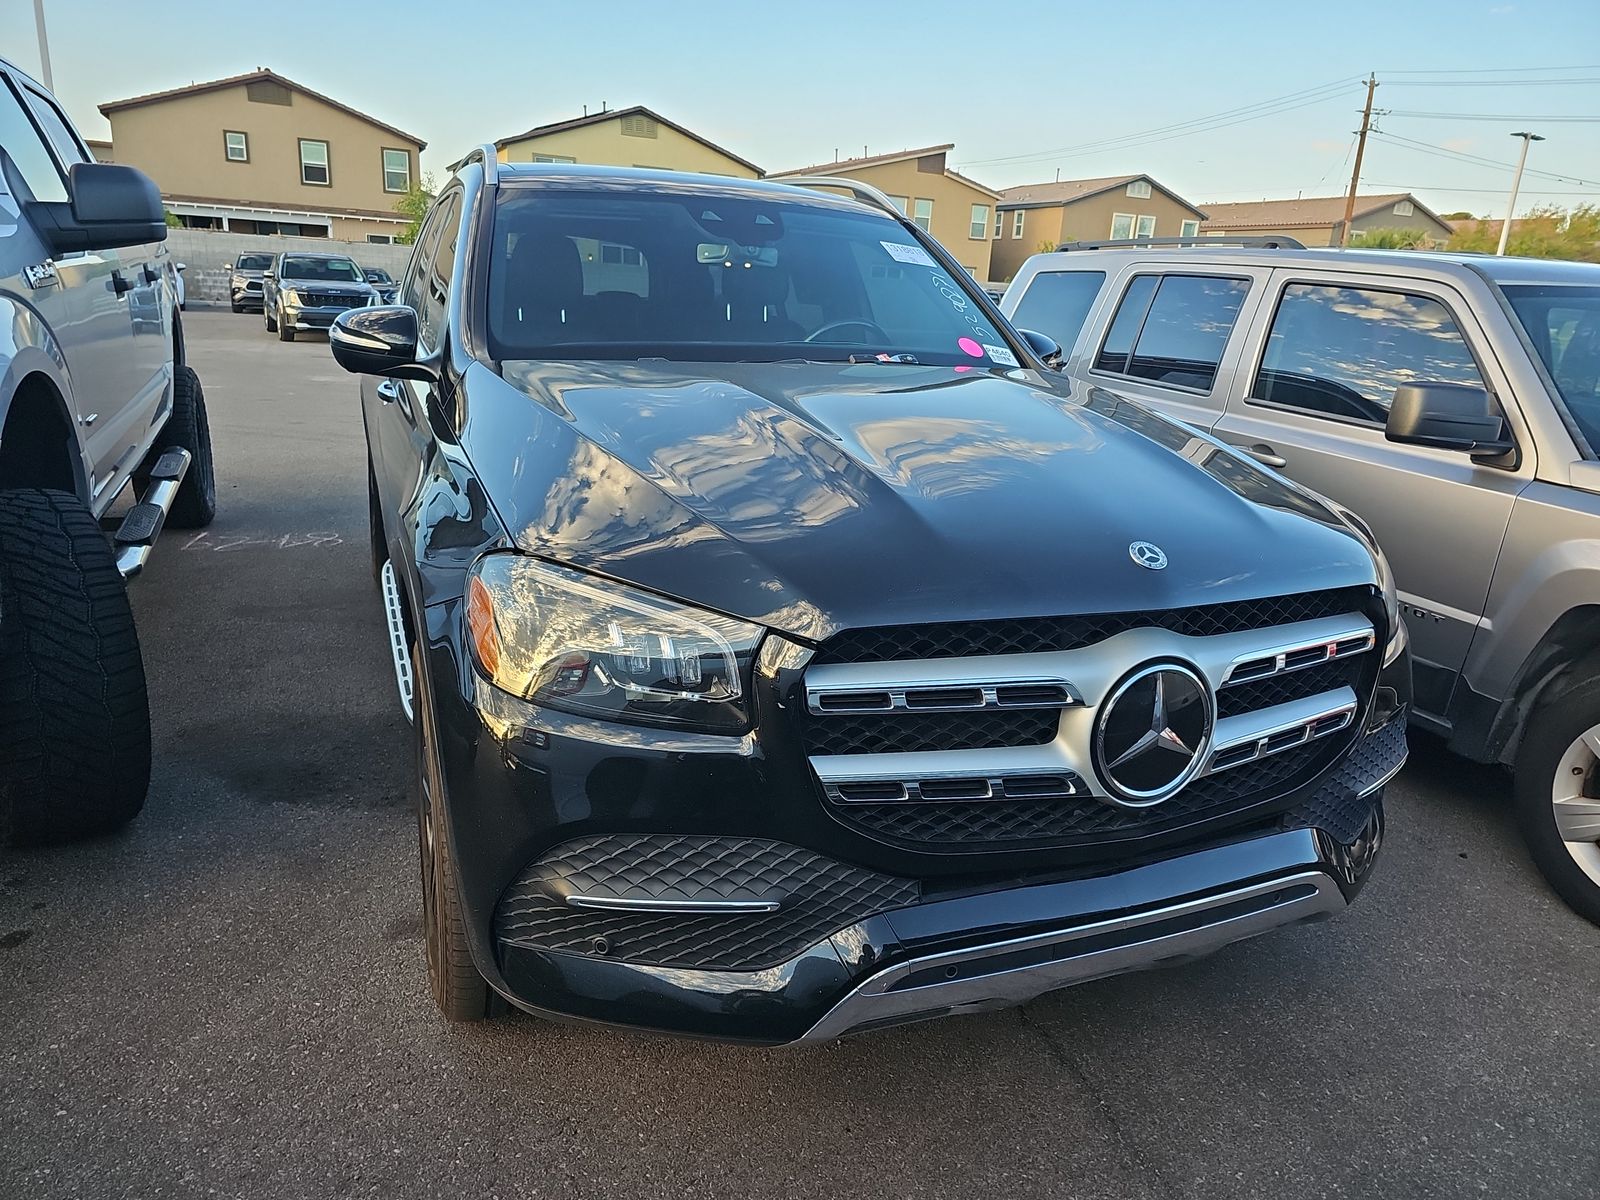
<point x="1473" y="159"/>
<point x="1444" y="187"/>
<point x="1491" y="70"/>
<point x="1454" y="83"/>
<point x="1220" y="120"/>
<point x="1450" y="116"/>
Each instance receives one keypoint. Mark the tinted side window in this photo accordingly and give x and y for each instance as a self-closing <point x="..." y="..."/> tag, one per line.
<point x="438" y="269"/>
<point x="1118" y="346"/>
<point x="27" y="149"/>
<point x="422" y="257"/>
<point x="1058" y="303"/>
<point x="1182" y="335"/>
<point x="1343" y="351"/>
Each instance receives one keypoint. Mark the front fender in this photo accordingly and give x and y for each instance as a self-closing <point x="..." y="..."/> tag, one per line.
<point x="28" y="348"/>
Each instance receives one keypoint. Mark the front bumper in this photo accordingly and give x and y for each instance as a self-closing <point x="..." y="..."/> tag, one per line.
<point x="246" y="293"/>
<point x="321" y="317"/>
<point x="590" y="932"/>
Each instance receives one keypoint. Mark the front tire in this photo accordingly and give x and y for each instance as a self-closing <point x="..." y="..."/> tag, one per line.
<point x="266" y="315"/>
<point x="1558" y="795"/>
<point x="74" y="717"/>
<point x="458" y="989"/>
<point x="237" y="307"/>
<point x="285" y="330"/>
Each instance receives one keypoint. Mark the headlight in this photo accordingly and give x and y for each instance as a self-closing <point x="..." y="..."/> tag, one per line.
<point x="556" y="637"/>
<point x="1391" y="594"/>
<point x="291" y="296"/>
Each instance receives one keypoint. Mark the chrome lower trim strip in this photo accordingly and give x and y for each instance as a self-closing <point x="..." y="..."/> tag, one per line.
<point x="716" y="907"/>
<point x="1268" y="730"/>
<point x="398" y="646"/>
<point x="1356" y="637"/>
<point x="981" y="977"/>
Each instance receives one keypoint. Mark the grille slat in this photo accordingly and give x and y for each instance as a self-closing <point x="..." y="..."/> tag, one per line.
<point x="991" y="729"/>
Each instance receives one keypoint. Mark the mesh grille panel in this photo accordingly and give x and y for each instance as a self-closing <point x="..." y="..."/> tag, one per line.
<point x="881" y="734"/>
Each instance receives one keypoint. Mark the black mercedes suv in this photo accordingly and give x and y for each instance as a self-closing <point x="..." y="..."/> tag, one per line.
<point x="790" y="651"/>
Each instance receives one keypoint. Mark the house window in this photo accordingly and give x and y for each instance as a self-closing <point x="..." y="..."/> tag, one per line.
<point x="380" y="239"/>
<point x="1139" y="189"/>
<point x="922" y="214"/>
<point x="1404" y="209"/>
<point x="1121" y="226"/>
<point x="555" y="158"/>
<point x="999" y="224"/>
<point x="314" y="162"/>
<point x="236" y="145"/>
<point x="1190" y="229"/>
<point x="900" y="202"/>
<point x="1358" y="235"/>
<point x="397" y="170"/>
<point x="267" y="91"/>
<point x="1145" y="227"/>
<point x="979" y="228"/>
<point x="638" y="126"/>
<point x="1016" y="224"/>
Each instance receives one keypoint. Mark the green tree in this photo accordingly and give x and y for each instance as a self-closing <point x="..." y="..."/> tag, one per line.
<point x="1392" y="239"/>
<point x="1546" y="232"/>
<point x="414" y="206"/>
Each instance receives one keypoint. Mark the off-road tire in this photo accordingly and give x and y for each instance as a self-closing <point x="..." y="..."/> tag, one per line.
<point x="74" y="718"/>
<point x="1553" y="727"/>
<point x="195" y="505"/>
<point x="285" y="330"/>
<point x="458" y="989"/>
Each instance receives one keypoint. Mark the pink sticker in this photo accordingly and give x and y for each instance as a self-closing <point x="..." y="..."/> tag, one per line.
<point x="962" y="370"/>
<point x="968" y="346"/>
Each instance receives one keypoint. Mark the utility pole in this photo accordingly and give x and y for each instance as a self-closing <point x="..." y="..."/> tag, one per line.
<point x="44" y="46"/>
<point x="1355" y="175"/>
<point x="1516" y="182"/>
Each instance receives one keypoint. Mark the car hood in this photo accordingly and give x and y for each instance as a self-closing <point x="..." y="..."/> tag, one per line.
<point x="812" y="497"/>
<point x="322" y="285"/>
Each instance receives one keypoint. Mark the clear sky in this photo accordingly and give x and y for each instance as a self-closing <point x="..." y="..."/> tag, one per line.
<point x="1023" y="88"/>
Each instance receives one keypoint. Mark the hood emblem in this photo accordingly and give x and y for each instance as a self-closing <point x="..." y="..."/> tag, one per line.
<point x="1153" y="734"/>
<point x="1147" y="554"/>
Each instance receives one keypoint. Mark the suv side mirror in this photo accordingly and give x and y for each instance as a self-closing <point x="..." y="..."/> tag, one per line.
<point x="108" y="205"/>
<point x="1046" y="347"/>
<point x="1449" y="416"/>
<point x="269" y="273"/>
<point x="379" y="340"/>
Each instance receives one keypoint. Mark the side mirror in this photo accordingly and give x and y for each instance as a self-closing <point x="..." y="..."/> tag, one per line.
<point x="269" y="273"/>
<point x="183" y="266"/>
<point x="1046" y="347"/>
<point x="108" y="205"/>
<point x="1449" y="416"/>
<point x="379" y="341"/>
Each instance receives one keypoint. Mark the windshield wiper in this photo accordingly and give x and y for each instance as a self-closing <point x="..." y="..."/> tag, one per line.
<point x="909" y="360"/>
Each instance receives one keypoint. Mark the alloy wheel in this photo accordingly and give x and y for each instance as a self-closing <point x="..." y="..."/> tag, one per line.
<point x="1575" y="799"/>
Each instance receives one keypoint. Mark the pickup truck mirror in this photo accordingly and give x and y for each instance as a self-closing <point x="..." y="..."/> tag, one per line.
<point x="1449" y="416"/>
<point x="379" y="340"/>
<point x="1046" y="347"/>
<point x="108" y="205"/>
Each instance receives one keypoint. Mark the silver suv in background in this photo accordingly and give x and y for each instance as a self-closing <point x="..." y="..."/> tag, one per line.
<point x="1453" y="401"/>
<point x="245" y="280"/>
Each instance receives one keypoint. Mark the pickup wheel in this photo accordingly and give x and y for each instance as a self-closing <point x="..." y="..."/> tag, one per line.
<point x="285" y="330"/>
<point x="1558" y="795"/>
<point x="74" y="719"/>
<point x="188" y="427"/>
<point x="458" y="988"/>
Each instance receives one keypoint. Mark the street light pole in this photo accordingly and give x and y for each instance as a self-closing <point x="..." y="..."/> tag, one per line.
<point x="44" y="46"/>
<point x="1516" y="182"/>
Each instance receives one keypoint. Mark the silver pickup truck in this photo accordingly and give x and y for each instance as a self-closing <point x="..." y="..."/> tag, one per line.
<point x="97" y="407"/>
<point x="1453" y="401"/>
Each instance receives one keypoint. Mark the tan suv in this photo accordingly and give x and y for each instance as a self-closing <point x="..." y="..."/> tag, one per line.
<point x="1454" y="402"/>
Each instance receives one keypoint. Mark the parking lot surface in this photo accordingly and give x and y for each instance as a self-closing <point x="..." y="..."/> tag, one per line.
<point x="229" y="999"/>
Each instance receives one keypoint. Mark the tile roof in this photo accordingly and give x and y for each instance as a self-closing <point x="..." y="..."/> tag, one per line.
<point x="195" y="89"/>
<point x="1068" y="191"/>
<point x="844" y="166"/>
<point x="1306" y="211"/>
<point x="612" y="114"/>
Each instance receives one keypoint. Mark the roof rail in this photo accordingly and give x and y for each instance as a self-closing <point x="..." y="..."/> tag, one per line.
<point x="1258" y="243"/>
<point x="861" y="191"/>
<point x="488" y="156"/>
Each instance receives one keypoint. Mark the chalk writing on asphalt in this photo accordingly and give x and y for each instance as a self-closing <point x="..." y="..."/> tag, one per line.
<point x="206" y="540"/>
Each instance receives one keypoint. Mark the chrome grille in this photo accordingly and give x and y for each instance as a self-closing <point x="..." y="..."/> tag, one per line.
<point x="991" y="748"/>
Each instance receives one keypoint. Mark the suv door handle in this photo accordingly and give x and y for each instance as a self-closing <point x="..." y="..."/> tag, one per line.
<point x="1265" y="455"/>
<point x="388" y="391"/>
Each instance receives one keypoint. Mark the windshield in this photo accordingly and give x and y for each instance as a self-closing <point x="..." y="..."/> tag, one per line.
<point x="1563" y="323"/>
<point x="336" y="270"/>
<point x="607" y="274"/>
<point x="376" y="276"/>
<point x="254" y="262"/>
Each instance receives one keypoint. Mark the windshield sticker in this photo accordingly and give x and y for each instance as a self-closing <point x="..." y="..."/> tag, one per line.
<point x="970" y="347"/>
<point x="1000" y="355"/>
<point x="908" y="254"/>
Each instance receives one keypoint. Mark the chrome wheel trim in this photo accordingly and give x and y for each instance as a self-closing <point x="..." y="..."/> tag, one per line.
<point x="1575" y="801"/>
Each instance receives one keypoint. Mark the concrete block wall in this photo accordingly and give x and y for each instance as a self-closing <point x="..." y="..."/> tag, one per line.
<point x="205" y="253"/>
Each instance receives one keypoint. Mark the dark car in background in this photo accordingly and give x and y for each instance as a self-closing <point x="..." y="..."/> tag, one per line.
<point x="245" y="282"/>
<point x="307" y="291"/>
<point x="383" y="282"/>
<point x="790" y="654"/>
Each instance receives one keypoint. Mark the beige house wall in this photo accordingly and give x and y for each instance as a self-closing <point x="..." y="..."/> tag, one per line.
<point x="1041" y="230"/>
<point x="179" y="143"/>
<point x="952" y="206"/>
<point x="605" y="144"/>
<point x="1306" y="235"/>
<point x="1085" y="220"/>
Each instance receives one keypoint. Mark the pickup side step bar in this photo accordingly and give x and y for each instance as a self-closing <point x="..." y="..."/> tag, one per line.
<point x="135" y="538"/>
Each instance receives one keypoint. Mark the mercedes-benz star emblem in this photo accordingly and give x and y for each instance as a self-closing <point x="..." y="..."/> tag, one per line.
<point x="1147" y="554"/>
<point x="1153" y="734"/>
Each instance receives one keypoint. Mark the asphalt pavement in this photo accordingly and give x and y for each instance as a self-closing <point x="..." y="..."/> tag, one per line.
<point x="229" y="1000"/>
